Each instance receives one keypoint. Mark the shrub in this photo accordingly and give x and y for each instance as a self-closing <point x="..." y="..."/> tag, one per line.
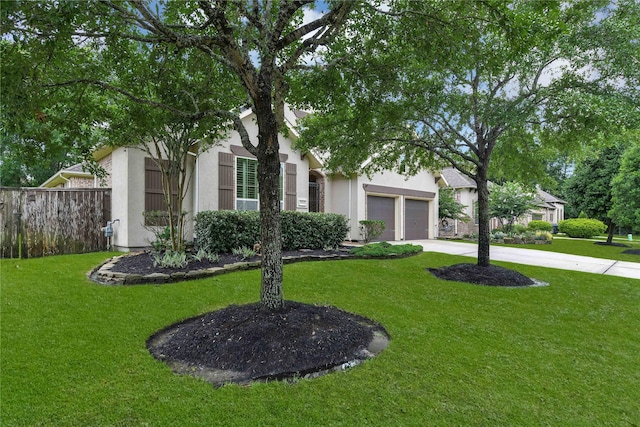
<point x="498" y="235"/>
<point x="370" y="229"/>
<point x="223" y="231"/>
<point x="538" y="225"/>
<point x="312" y="230"/>
<point x="543" y="235"/>
<point x="385" y="249"/>
<point x="582" y="227"/>
<point x="518" y="228"/>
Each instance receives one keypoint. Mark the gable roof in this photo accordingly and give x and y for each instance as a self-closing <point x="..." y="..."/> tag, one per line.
<point x="63" y="175"/>
<point x="457" y="179"/>
<point x="548" y="198"/>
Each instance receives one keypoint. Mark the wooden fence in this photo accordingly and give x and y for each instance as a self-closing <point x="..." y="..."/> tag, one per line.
<point x="37" y="222"/>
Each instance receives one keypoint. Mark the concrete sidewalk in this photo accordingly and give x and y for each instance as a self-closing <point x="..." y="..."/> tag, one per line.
<point x="537" y="258"/>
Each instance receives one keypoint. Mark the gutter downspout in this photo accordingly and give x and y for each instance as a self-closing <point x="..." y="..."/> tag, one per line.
<point x="349" y="236"/>
<point x="196" y="207"/>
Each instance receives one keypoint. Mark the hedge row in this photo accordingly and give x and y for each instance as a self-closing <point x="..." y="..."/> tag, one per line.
<point x="582" y="227"/>
<point x="223" y="231"/>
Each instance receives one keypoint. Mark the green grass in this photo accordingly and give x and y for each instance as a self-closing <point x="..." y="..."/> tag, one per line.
<point x="587" y="248"/>
<point x="73" y="352"/>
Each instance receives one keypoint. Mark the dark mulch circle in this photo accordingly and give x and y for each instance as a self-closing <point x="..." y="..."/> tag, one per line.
<point x="619" y="245"/>
<point x="246" y="343"/>
<point x="490" y="276"/>
<point x="632" y="251"/>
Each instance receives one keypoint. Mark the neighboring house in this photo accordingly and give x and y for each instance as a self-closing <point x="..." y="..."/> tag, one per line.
<point x="225" y="178"/>
<point x="549" y="208"/>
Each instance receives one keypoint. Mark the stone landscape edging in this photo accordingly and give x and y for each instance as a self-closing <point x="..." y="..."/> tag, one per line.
<point x="104" y="276"/>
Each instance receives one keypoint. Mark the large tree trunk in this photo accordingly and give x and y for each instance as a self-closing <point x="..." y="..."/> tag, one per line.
<point x="484" y="234"/>
<point x="269" y="190"/>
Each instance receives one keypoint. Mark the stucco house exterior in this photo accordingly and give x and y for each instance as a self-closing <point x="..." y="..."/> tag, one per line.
<point x="549" y="208"/>
<point x="224" y="178"/>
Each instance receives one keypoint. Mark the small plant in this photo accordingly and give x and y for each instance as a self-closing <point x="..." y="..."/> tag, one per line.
<point x="499" y="235"/>
<point x="202" y="255"/>
<point x="170" y="259"/>
<point x="371" y="229"/>
<point x="244" y="252"/>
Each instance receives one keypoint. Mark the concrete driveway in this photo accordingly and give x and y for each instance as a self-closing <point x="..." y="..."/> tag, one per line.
<point x="537" y="258"/>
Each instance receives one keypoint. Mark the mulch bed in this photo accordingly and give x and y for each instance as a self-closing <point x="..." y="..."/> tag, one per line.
<point x="142" y="263"/>
<point x="241" y="344"/>
<point x="619" y="245"/>
<point x="489" y="276"/>
<point x="248" y="343"/>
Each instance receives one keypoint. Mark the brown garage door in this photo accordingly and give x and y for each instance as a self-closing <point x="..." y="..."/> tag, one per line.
<point x="383" y="209"/>
<point x="416" y="224"/>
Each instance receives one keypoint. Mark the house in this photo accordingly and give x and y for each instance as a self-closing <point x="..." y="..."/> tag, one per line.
<point x="224" y="178"/>
<point x="549" y="208"/>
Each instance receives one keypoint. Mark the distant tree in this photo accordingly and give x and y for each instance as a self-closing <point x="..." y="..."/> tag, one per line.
<point x="449" y="207"/>
<point x="588" y="190"/>
<point x="509" y="202"/>
<point x="625" y="189"/>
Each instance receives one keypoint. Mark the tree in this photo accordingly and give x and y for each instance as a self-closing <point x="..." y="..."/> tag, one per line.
<point x="625" y="189"/>
<point x="449" y="207"/>
<point x="260" y="43"/>
<point x="43" y="129"/>
<point x="588" y="190"/>
<point x="508" y="202"/>
<point x="171" y="139"/>
<point x="467" y="83"/>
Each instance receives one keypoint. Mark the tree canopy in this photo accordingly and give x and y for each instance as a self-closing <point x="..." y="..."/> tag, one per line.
<point x="481" y="86"/>
<point x="625" y="188"/>
<point x="260" y="45"/>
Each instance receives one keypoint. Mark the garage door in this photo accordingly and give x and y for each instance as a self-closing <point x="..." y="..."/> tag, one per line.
<point x="383" y="209"/>
<point x="416" y="224"/>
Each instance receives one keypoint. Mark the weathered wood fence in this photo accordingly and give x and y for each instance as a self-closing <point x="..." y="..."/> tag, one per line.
<point x="37" y="222"/>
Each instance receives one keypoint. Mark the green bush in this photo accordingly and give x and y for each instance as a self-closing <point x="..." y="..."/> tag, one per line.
<point x="223" y="231"/>
<point x="370" y="229"/>
<point x="385" y="249"/>
<point x="312" y="230"/>
<point x="518" y="228"/>
<point x="538" y="225"/>
<point x="582" y="227"/>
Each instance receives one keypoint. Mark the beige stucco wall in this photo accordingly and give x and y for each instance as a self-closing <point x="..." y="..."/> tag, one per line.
<point x="128" y="201"/>
<point x="207" y="168"/>
<point x="347" y="196"/>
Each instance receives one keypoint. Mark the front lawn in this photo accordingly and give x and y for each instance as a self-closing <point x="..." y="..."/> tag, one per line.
<point x="73" y="352"/>
<point x="587" y="248"/>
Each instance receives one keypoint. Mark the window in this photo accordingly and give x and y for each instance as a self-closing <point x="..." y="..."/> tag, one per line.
<point x="476" y="220"/>
<point x="247" y="184"/>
